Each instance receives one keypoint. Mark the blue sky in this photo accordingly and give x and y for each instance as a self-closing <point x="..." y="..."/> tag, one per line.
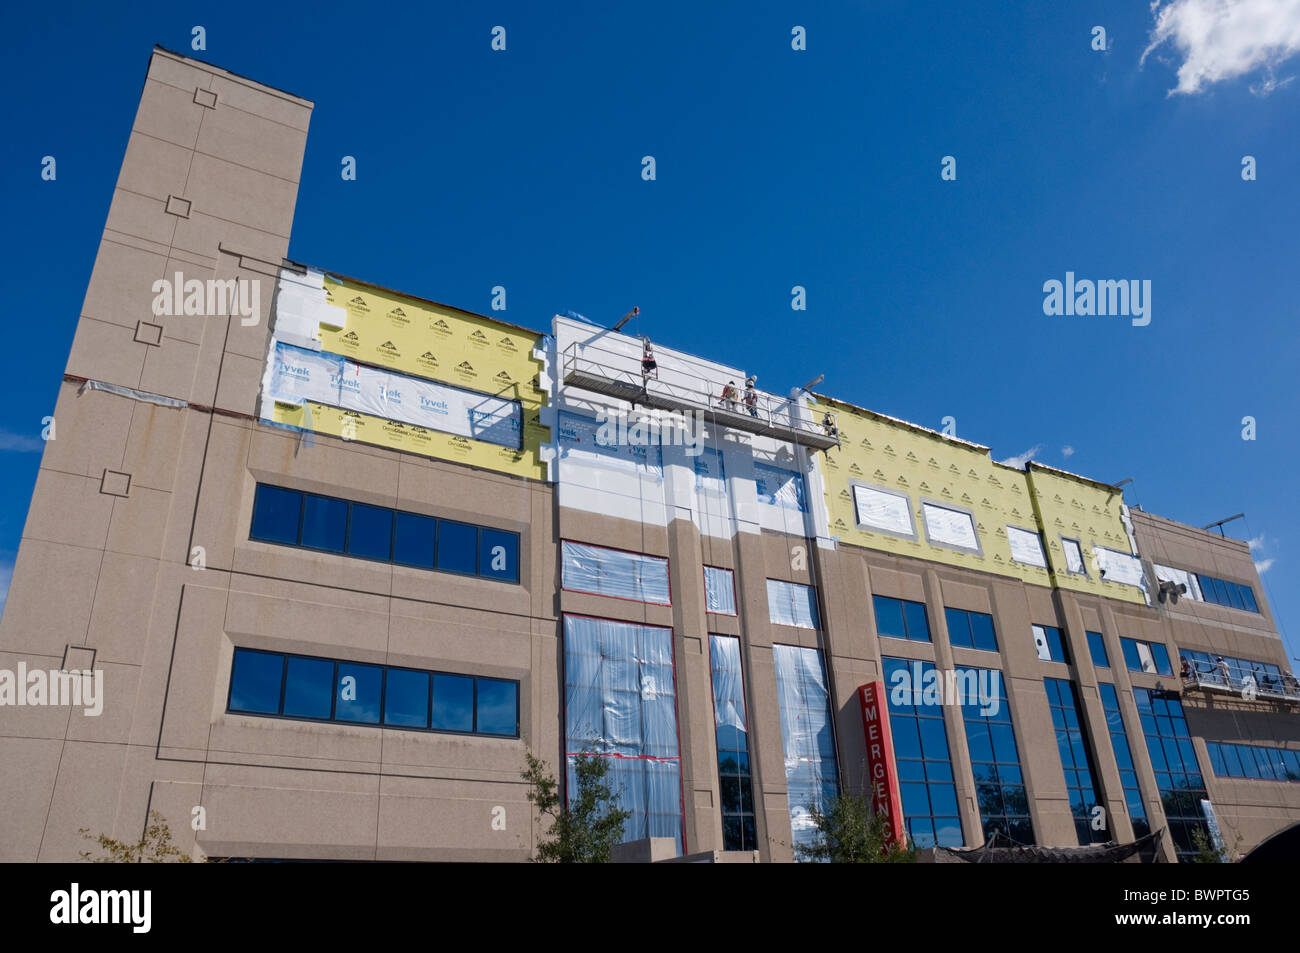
<point x="774" y="168"/>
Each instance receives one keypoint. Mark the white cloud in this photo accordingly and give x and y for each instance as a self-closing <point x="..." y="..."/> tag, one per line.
<point x="20" y="443"/>
<point x="1222" y="39"/>
<point x="1020" y="459"/>
<point x="1257" y="542"/>
<point x="1263" y="565"/>
<point x="1067" y="452"/>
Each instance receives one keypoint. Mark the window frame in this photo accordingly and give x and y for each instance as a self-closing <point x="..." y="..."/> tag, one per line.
<point x="383" y="695"/>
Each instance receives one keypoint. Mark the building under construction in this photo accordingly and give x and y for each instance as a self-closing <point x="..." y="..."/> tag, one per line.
<point x="344" y="559"/>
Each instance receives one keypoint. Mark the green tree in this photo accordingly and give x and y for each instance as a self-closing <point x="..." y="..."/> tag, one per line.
<point x="850" y="832"/>
<point x="1207" y="853"/>
<point x="155" y="847"/>
<point x="585" y="831"/>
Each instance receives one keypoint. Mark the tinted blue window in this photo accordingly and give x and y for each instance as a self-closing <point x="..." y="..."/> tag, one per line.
<point x="1131" y="657"/>
<point x="308" y="687"/>
<point x="255" y="682"/>
<point x="457" y="547"/>
<point x="413" y="538"/>
<point x="1055" y="644"/>
<point x="1248" y="596"/>
<point x="406" y="698"/>
<point x="324" y="523"/>
<point x="1161" y="656"/>
<point x="370" y="532"/>
<point x="1097" y="648"/>
<point x="889" y="617"/>
<point x="918" y="625"/>
<point x="453" y="703"/>
<point x="499" y="554"/>
<point x="357" y="692"/>
<point x="981" y="625"/>
<point x="958" y="627"/>
<point x="498" y="710"/>
<point x="276" y="514"/>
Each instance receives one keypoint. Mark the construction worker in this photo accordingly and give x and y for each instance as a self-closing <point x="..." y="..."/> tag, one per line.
<point x="828" y="425"/>
<point x="649" y="366"/>
<point x="751" y="396"/>
<point x="729" y="396"/>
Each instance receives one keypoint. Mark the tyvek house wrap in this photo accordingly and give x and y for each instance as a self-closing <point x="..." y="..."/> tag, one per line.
<point x="811" y="771"/>
<point x="620" y="703"/>
<point x="297" y="374"/>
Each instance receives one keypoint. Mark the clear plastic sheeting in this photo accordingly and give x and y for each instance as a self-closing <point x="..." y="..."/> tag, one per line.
<point x="1120" y="567"/>
<point x="612" y="572"/>
<point x="620" y="703"/>
<point x="710" y="475"/>
<point x="890" y="512"/>
<point x="790" y="603"/>
<point x="719" y="590"/>
<point x="1026" y="547"/>
<point x="811" y="771"/>
<point x="591" y="442"/>
<point x="779" y="487"/>
<point x="1180" y="576"/>
<point x="728" y="689"/>
<point x="1073" y="556"/>
<point x="950" y="527"/>
<point x="297" y="374"/>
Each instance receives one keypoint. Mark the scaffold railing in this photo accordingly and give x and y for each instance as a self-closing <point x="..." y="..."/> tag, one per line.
<point x="619" y="374"/>
<point x="1283" y="688"/>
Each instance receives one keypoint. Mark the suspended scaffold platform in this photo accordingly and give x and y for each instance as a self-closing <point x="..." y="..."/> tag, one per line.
<point x="619" y="375"/>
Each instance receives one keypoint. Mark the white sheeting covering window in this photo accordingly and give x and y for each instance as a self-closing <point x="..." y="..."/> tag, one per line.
<point x="790" y="603"/>
<point x="728" y="689"/>
<point x="1176" y="576"/>
<point x="1074" y="556"/>
<point x="719" y="590"/>
<point x="1120" y="567"/>
<point x="620" y="702"/>
<point x="1026" y="547"/>
<point x="1040" y="643"/>
<point x="950" y="527"/>
<point x="611" y="572"/>
<point x="811" y="771"/>
<point x="779" y="487"/>
<point x="888" y="511"/>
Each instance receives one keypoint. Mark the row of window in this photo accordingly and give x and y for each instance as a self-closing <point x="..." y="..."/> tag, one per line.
<point x="1076" y="760"/>
<point x="1149" y="657"/>
<point x="319" y="689"/>
<point x="1226" y="593"/>
<point x="1178" y="774"/>
<point x="297" y="518"/>
<point x="1256" y="762"/>
<point x="1137" y="812"/>
<point x="1232" y="670"/>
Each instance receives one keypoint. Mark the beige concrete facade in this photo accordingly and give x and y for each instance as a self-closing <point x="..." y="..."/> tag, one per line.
<point x="136" y="559"/>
